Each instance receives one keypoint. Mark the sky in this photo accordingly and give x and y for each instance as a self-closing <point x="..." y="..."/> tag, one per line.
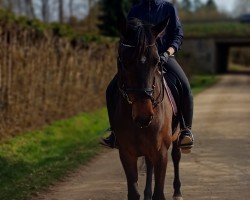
<point x="81" y="7"/>
<point x="230" y="6"/>
<point x="226" y="5"/>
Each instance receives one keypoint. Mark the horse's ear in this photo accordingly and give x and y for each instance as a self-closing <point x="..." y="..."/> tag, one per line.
<point x="160" y="27"/>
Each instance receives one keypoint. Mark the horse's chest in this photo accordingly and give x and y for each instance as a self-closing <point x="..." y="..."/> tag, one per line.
<point x="139" y="140"/>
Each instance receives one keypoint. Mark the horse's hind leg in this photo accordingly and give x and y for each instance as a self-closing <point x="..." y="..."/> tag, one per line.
<point x="148" y="188"/>
<point x="129" y="163"/>
<point x="176" y="156"/>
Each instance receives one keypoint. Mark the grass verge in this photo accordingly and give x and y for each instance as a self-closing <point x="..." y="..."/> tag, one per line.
<point x="37" y="159"/>
<point x="201" y="82"/>
<point x="34" y="160"/>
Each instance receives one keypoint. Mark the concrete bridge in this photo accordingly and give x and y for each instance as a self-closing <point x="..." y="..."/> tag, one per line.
<point x="210" y="54"/>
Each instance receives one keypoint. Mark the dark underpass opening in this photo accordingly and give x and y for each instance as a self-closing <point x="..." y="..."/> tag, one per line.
<point x="232" y="51"/>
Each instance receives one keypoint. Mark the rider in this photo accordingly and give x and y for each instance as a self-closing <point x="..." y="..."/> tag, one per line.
<point x="153" y="12"/>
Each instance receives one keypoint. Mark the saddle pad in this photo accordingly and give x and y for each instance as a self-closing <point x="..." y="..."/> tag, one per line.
<point x="171" y="98"/>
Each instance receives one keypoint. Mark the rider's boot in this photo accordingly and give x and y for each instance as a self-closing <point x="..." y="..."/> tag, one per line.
<point x="186" y="140"/>
<point x="109" y="141"/>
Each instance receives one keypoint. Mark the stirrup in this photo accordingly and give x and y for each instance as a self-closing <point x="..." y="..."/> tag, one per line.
<point x="186" y="141"/>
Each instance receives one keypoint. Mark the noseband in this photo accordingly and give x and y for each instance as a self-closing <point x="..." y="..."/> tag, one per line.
<point x="147" y="92"/>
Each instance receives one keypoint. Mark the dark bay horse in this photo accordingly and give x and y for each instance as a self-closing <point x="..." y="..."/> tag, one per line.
<point x="143" y="117"/>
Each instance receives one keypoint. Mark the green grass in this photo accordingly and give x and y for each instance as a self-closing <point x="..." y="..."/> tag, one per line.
<point x="238" y="68"/>
<point x="201" y="82"/>
<point x="216" y="30"/>
<point x="35" y="160"/>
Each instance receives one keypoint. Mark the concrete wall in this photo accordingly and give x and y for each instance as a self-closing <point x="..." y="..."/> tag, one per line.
<point x="208" y="55"/>
<point x="199" y="54"/>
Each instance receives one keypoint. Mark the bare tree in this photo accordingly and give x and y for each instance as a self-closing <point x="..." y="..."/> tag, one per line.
<point x="29" y="9"/>
<point x="16" y="6"/>
<point x="71" y="11"/>
<point x="89" y="15"/>
<point x="60" y="11"/>
<point x="19" y="8"/>
<point x="45" y="10"/>
<point x="10" y="5"/>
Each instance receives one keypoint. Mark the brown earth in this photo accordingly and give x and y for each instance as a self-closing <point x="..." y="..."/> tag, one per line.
<point x="217" y="168"/>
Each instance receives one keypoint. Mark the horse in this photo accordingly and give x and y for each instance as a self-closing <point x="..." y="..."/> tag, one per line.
<point x="142" y="119"/>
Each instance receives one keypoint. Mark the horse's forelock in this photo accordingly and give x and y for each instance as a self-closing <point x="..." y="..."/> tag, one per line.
<point x="139" y="35"/>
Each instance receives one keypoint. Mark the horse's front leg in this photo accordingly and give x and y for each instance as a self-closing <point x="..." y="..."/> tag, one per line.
<point x="148" y="188"/>
<point x="160" y="167"/>
<point x="176" y="156"/>
<point x="129" y="163"/>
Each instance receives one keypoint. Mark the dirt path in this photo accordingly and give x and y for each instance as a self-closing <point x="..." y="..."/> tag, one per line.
<point x="218" y="168"/>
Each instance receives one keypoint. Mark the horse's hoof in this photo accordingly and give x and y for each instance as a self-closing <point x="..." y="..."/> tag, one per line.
<point x="177" y="198"/>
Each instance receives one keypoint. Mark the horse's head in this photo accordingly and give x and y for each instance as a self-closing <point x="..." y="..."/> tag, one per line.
<point x="138" y="67"/>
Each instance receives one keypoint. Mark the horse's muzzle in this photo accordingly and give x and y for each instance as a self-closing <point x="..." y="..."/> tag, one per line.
<point x="143" y="122"/>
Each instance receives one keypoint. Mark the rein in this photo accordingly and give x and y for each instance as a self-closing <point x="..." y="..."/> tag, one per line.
<point x="148" y="92"/>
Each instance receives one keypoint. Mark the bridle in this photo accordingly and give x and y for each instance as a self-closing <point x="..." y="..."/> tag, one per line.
<point x="147" y="92"/>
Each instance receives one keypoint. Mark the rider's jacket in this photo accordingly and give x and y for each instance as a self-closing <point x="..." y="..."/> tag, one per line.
<point x="155" y="11"/>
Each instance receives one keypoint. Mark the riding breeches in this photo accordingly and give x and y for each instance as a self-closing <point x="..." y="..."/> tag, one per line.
<point x="176" y="75"/>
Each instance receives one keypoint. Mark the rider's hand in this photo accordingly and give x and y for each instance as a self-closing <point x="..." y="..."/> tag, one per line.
<point x="164" y="57"/>
<point x="171" y="51"/>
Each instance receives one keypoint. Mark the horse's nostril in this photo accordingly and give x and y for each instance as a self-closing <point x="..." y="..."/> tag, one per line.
<point x="143" y="122"/>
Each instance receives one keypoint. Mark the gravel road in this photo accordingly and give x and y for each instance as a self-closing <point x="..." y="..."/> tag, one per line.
<point x="217" y="168"/>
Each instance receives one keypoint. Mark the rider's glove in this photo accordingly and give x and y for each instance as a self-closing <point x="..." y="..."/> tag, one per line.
<point x="164" y="57"/>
